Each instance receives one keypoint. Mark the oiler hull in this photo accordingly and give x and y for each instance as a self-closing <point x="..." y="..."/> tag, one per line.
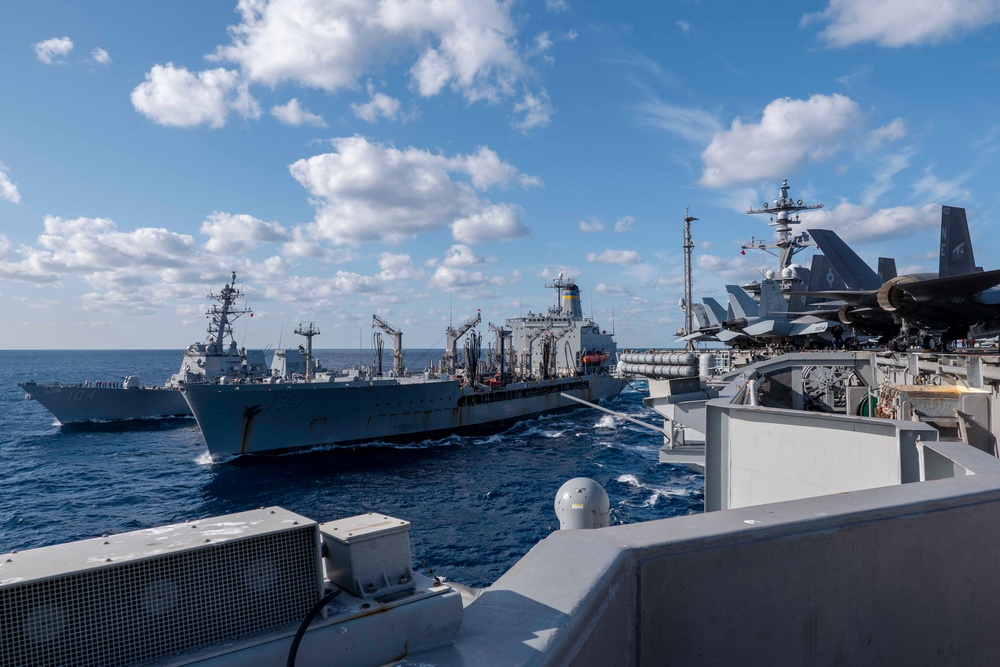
<point x="75" y="404"/>
<point x="259" y="418"/>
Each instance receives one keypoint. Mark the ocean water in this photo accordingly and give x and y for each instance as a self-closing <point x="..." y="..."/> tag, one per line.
<point x="476" y="504"/>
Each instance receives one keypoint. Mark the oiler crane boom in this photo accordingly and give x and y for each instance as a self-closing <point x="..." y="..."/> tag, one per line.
<point x="397" y="344"/>
<point x="451" y="342"/>
<point x="502" y="334"/>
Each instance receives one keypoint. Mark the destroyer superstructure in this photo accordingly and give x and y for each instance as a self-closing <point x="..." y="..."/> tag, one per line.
<point x="218" y="359"/>
<point x="559" y="352"/>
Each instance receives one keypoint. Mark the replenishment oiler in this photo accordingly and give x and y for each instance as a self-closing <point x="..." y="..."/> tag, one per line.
<point x="540" y="364"/>
<point x="218" y="359"/>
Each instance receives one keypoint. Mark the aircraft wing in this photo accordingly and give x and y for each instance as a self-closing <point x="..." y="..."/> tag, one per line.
<point x="761" y="328"/>
<point x="853" y="297"/>
<point x="947" y="289"/>
<point x="808" y="328"/>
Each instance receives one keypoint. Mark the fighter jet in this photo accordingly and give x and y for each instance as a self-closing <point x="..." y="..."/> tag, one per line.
<point x="939" y="308"/>
<point x="771" y="321"/>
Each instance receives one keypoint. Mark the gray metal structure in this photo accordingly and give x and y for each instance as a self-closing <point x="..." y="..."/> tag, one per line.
<point x="256" y="588"/>
<point x="784" y="211"/>
<point x="556" y="353"/>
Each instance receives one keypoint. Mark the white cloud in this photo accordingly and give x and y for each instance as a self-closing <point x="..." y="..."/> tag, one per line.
<point x="499" y="222"/>
<point x="893" y="131"/>
<point x="895" y="23"/>
<point x="944" y="192"/>
<point x="624" y="224"/>
<point x="591" y="226"/>
<point x="612" y="290"/>
<point x="470" y="284"/>
<point x="734" y="270"/>
<point x="543" y="43"/>
<point x="855" y="223"/>
<point x="233" y="234"/>
<point x="292" y="113"/>
<point x="487" y="170"/>
<point x="100" y="56"/>
<point x="462" y="255"/>
<point x="619" y="257"/>
<point x="789" y="133"/>
<point x="684" y="26"/>
<point x="397" y="267"/>
<point x="888" y="166"/>
<point x="52" y="50"/>
<point x="379" y="105"/>
<point x="694" y="125"/>
<point x="467" y="45"/>
<point x="534" y="110"/>
<point x="95" y="250"/>
<point x="556" y="5"/>
<point x="138" y="272"/>
<point x="367" y="192"/>
<point x="8" y="190"/>
<point x="179" y="98"/>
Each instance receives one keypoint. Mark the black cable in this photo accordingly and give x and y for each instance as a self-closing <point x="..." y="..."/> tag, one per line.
<point x="326" y="599"/>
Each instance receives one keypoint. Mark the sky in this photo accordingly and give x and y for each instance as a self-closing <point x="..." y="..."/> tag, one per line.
<point x="427" y="159"/>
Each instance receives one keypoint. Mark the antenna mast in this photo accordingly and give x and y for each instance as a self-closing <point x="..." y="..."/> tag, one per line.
<point x="782" y="210"/>
<point x="308" y="331"/>
<point x="688" y="247"/>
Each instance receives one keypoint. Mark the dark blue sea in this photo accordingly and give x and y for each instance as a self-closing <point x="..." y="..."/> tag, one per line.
<point x="476" y="504"/>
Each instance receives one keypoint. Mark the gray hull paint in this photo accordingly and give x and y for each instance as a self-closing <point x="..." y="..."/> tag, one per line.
<point x="76" y="404"/>
<point x="256" y="418"/>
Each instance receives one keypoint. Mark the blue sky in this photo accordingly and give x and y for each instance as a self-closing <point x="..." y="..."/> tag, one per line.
<point x="421" y="159"/>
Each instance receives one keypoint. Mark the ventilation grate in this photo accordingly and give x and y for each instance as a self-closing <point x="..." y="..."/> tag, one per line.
<point x="173" y="599"/>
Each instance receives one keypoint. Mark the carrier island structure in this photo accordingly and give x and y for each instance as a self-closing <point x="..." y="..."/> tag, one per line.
<point x="542" y="362"/>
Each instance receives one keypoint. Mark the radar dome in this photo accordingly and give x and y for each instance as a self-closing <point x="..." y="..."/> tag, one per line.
<point x="582" y="503"/>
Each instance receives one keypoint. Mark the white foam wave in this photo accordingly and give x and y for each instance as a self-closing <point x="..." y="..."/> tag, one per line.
<point x="204" y="459"/>
<point x="658" y="492"/>
<point x="607" y="421"/>
<point x="630" y="479"/>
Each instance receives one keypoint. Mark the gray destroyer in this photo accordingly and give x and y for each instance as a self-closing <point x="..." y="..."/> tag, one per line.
<point x="218" y="359"/>
<point x="539" y="363"/>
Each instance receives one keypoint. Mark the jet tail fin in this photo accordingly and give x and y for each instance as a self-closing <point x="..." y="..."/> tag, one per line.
<point x="700" y="315"/>
<point x="716" y="313"/>
<point x="772" y="301"/>
<point x="956" y="245"/>
<point x="849" y="266"/>
<point x="886" y="269"/>
<point x="823" y="277"/>
<point x="741" y="303"/>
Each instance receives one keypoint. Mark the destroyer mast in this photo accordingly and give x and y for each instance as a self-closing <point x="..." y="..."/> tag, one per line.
<point x="221" y="318"/>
